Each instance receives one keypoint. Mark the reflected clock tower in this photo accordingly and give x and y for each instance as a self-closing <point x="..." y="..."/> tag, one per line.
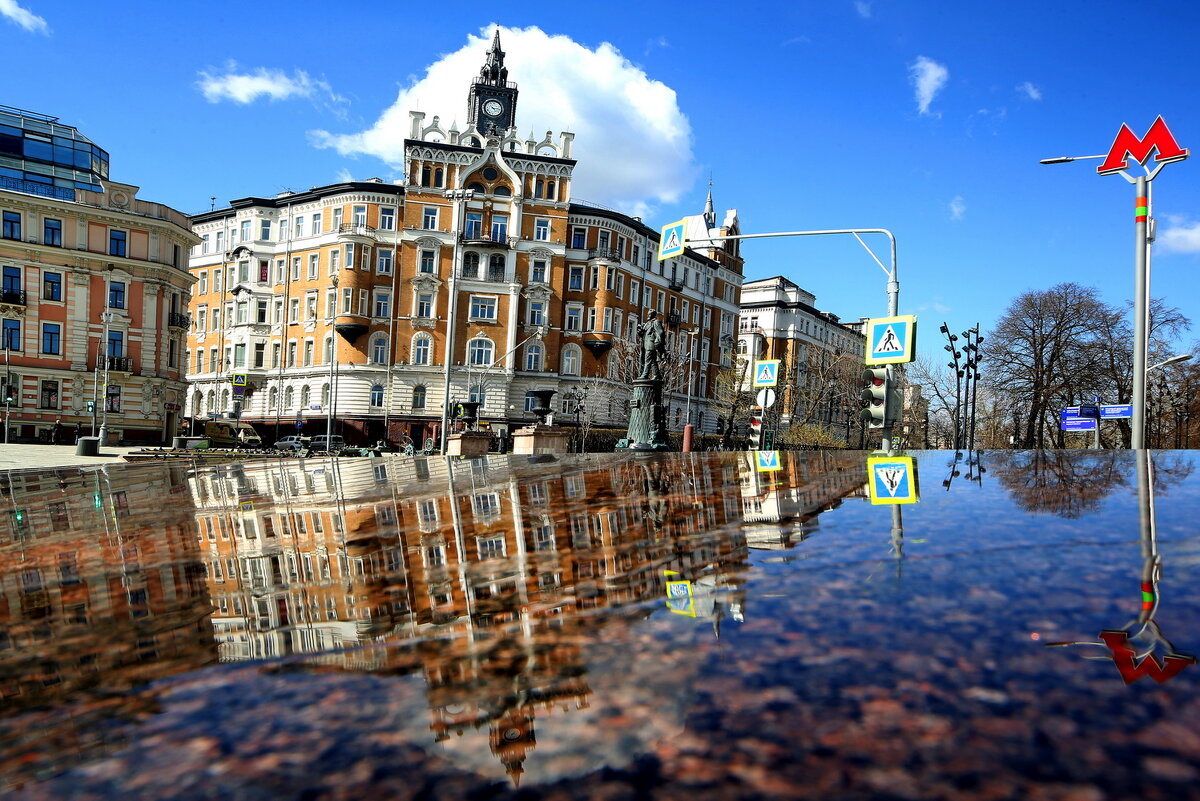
<point x="492" y="102"/>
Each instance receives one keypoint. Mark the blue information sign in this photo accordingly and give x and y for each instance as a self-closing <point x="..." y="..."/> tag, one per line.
<point x="1116" y="411"/>
<point x="1079" y="424"/>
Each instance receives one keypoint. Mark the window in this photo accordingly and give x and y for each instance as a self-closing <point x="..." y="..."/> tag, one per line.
<point x="239" y="355"/>
<point x="420" y="349"/>
<point x="533" y="358"/>
<point x="296" y="268"/>
<point x="52" y="232"/>
<point x="264" y="230"/>
<point x="335" y="261"/>
<point x="429" y="217"/>
<point x="379" y="348"/>
<point x="474" y="228"/>
<point x="418" y="397"/>
<point x="537" y="273"/>
<point x="621" y="285"/>
<point x="383" y="304"/>
<point x="537" y="312"/>
<point x="570" y="360"/>
<point x="291" y="354"/>
<point x="610" y="278"/>
<point x="305" y="396"/>
<point x="574" y="321"/>
<point x="377" y="396"/>
<point x="384" y="262"/>
<point x="12" y="334"/>
<point x="591" y="318"/>
<point x="116" y="243"/>
<point x="499" y="227"/>
<point x="575" y="281"/>
<point x="578" y="237"/>
<point x="294" y="310"/>
<point x="387" y="219"/>
<point x="113" y="398"/>
<point x="12" y="225"/>
<point x="203" y="290"/>
<point x="608" y="320"/>
<point x="541" y="230"/>
<point x="483" y="308"/>
<point x="478" y="394"/>
<point x="116" y="294"/>
<point x="51" y="338"/>
<point x="427" y="261"/>
<point x="260" y="354"/>
<point x="479" y="352"/>
<point x="51" y="286"/>
<point x="470" y="265"/>
<point x="283" y="230"/>
<point x="313" y="259"/>
<point x="603" y="239"/>
<point x="594" y="277"/>
<point x="424" y="304"/>
<point x="245" y="230"/>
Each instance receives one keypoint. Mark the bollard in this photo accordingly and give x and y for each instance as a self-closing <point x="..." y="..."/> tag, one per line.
<point x="688" y="433"/>
<point x="87" y="446"/>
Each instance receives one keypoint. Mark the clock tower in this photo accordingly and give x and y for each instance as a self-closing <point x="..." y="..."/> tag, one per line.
<point x="492" y="102"/>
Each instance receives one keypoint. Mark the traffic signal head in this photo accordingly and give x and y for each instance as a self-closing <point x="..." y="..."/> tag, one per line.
<point x="877" y="394"/>
<point x="756" y="429"/>
<point x="10" y="394"/>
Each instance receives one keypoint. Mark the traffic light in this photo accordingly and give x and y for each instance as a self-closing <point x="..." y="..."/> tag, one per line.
<point x="877" y="394"/>
<point x="756" y="429"/>
<point x="10" y="394"/>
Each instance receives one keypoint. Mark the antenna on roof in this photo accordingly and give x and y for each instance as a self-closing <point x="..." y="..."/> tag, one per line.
<point x="212" y="202"/>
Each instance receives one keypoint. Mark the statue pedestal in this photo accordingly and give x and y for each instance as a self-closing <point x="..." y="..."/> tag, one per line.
<point x="647" y="418"/>
<point x="468" y="443"/>
<point x="537" y="439"/>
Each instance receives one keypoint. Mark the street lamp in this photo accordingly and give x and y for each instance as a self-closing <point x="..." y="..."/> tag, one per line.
<point x="688" y="429"/>
<point x="332" y="365"/>
<point x="460" y="198"/>
<point x="1183" y="357"/>
<point x="1126" y="144"/>
<point x="106" y="318"/>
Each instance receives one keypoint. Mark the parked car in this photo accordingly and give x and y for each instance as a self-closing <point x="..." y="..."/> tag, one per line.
<point x="231" y="434"/>
<point x="291" y="444"/>
<point x="326" y="443"/>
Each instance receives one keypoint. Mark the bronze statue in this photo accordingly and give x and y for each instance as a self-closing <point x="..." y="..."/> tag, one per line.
<point x="654" y="347"/>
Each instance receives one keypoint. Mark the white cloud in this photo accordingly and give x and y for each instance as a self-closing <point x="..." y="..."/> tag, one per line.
<point x="247" y="86"/>
<point x="1180" y="236"/>
<point x="23" y="17"/>
<point x="958" y="208"/>
<point x="928" y="77"/>
<point x="1030" y="91"/>
<point x="802" y="39"/>
<point x="633" y="143"/>
<point x="863" y="8"/>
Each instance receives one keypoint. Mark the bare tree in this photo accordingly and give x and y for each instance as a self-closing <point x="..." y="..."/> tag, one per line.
<point x="731" y="397"/>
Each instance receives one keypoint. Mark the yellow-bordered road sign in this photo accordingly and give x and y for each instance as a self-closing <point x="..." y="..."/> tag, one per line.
<point x="672" y="240"/>
<point x="679" y="595"/>
<point x="890" y="340"/>
<point x="766" y="372"/>
<point x="767" y="461"/>
<point x="239" y="379"/>
<point x="892" y="479"/>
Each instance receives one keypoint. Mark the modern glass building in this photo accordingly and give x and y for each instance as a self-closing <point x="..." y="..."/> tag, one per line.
<point x="41" y="156"/>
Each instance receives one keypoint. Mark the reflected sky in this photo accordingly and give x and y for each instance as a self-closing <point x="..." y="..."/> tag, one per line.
<point x="601" y="625"/>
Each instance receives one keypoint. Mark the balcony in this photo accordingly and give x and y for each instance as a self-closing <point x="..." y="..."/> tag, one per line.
<point x="13" y="297"/>
<point x="604" y="254"/>
<point x="363" y="233"/>
<point x="675" y="286"/>
<point x="35" y="188"/>
<point x="480" y="239"/>
<point x="495" y="275"/>
<point x="177" y="320"/>
<point x="118" y="364"/>
<point x="673" y="319"/>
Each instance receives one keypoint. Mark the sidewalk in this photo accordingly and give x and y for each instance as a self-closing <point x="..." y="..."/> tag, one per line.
<point x="21" y="457"/>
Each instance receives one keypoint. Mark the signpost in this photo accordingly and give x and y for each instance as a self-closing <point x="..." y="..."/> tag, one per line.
<point x="239" y="384"/>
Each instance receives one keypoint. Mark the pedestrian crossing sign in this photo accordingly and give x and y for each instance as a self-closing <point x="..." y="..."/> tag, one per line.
<point x="679" y="595"/>
<point x="671" y="241"/>
<point x="239" y="379"/>
<point x="890" y="339"/>
<point x="767" y="461"/>
<point x="892" y="480"/>
<point x="766" y="373"/>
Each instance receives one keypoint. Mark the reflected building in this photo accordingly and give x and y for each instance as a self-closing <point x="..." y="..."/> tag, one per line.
<point x="779" y="516"/>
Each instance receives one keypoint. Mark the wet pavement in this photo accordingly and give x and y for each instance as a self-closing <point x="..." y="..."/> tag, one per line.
<point x="700" y="626"/>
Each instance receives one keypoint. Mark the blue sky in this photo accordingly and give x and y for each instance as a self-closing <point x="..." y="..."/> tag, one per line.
<point x="925" y="118"/>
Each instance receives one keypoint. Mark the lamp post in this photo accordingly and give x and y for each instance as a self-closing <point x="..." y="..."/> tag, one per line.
<point x="332" y="364"/>
<point x="106" y="318"/>
<point x="688" y="429"/>
<point x="1165" y="388"/>
<point x="1160" y="141"/>
<point x="460" y="198"/>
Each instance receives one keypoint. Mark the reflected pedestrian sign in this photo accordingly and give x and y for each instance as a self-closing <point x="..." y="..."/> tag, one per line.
<point x="679" y="595"/>
<point x="767" y="461"/>
<point x="890" y="339"/>
<point x="892" y="480"/>
<point x="671" y="241"/>
<point x="766" y="373"/>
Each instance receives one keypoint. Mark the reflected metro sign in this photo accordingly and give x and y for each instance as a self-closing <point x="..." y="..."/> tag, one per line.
<point x="1159" y="138"/>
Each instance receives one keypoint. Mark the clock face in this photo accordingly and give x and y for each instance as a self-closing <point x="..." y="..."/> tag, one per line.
<point x="493" y="108"/>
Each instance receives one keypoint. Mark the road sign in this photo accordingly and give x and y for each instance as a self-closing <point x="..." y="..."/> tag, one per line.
<point x="671" y="241"/>
<point x="766" y="373"/>
<point x="892" y="480"/>
<point x="890" y="339"/>
<point x="316" y="407"/>
<point x="239" y="379"/>
<point x="679" y="595"/>
<point x="767" y="461"/>
<point x="1078" y="424"/>
<point x="765" y="398"/>
<point x="1070" y="413"/>
<point x="1116" y="411"/>
<point x="1089" y="410"/>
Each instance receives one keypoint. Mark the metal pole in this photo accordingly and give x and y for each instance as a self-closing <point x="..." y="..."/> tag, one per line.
<point x="460" y="198"/>
<point x="332" y="363"/>
<point x="106" y="316"/>
<point x="1141" y="281"/>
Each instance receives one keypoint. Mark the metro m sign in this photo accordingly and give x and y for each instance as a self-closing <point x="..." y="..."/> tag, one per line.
<point x="1127" y="144"/>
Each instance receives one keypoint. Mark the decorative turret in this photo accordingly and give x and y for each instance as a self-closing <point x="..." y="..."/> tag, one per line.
<point x="492" y="102"/>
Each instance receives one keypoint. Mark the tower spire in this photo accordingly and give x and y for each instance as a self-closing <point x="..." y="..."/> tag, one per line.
<point x="710" y="214"/>
<point x="493" y="70"/>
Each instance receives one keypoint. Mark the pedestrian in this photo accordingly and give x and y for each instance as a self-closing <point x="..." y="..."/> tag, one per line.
<point x="55" y="432"/>
<point x="78" y="432"/>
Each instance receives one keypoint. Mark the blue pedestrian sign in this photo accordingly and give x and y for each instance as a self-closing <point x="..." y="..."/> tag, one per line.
<point x="1116" y="411"/>
<point x="766" y="373"/>
<point x="767" y="461"/>
<point x="671" y="241"/>
<point x="679" y="595"/>
<point x="890" y="339"/>
<point x="892" y="480"/>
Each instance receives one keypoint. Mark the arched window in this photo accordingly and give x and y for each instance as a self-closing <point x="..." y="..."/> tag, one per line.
<point x="571" y="359"/>
<point x="305" y="396"/>
<point x="379" y="348"/>
<point x="502" y="191"/>
<point x="328" y="349"/>
<point x="421" y="347"/>
<point x="197" y="404"/>
<point x="425" y="173"/>
<point x="539" y="188"/>
<point x="289" y="399"/>
<point x="479" y="352"/>
<point x="437" y="177"/>
<point x="224" y="400"/>
<point x="496" y="267"/>
<point x="212" y="401"/>
<point x="550" y="191"/>
<point x="475" y="186"/>
<point x="377" y="396"/>
<point x="533" y="358"/>
<point x="470" y="268"/>
<point x="418" y="397"/>
<point x="325" y="395"/>
<point x="273" y="397"/>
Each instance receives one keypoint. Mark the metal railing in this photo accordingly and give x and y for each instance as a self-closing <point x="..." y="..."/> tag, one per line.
<point x="608" y="254"/>
<point x="16" y="297"/>
<point x="178" y="320"/>
<point x="357" y="230"/>
<point x="121" y="364"/>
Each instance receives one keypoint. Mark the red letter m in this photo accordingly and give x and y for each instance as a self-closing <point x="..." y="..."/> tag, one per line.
<point x="1122" y="655"/>
<point x="1127" y="144"/>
